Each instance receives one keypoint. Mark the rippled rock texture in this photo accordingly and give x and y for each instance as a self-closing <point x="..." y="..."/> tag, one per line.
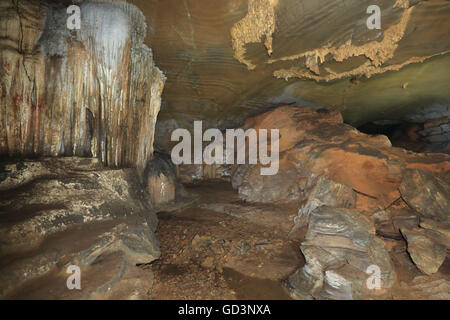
<point x="90" y="92"/>
<point x="227" y="60"/>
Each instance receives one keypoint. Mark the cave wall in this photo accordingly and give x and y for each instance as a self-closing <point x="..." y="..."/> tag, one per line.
<point x="92" y="92"/>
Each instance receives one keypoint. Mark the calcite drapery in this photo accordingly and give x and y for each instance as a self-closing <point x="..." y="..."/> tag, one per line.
<point x="88" y="92"/>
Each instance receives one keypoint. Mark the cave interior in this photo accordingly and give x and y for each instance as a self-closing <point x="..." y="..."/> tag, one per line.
<point x="235" y="149"/>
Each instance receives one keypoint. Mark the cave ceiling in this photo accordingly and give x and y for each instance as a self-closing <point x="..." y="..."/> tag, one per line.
<point x="228" y="59"/>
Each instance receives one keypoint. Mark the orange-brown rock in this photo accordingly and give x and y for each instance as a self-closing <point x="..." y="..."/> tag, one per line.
<point x="292" y="123"/>
<point x="320" y="143"/>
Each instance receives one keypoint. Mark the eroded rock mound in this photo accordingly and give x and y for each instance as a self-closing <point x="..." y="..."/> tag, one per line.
<point x="73" y="211"/>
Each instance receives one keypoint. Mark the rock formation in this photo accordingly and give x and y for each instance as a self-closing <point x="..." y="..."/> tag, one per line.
<point x="352" y="181"/>
<point x="339" y="247"/>
<point x="72" y="211"/>
<point x="86" y="172"/>
<point x="356" y="195"/>
<point x="89" y="92"/>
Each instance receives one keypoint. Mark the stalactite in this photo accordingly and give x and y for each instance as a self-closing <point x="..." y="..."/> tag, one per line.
<point x="89" y="92"/>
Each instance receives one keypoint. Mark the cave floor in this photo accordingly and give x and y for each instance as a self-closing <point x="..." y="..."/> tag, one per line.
<point x="220" y="247"/>
<point x="213" y="246"/>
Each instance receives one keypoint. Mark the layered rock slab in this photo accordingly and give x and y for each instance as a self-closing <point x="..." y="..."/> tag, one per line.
<point x="74" y="211"/>
<point x="314" y="144"/>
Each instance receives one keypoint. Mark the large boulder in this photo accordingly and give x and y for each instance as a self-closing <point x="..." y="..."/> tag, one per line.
<point x="318" y="143"/>
<point x="340" y="247"/>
